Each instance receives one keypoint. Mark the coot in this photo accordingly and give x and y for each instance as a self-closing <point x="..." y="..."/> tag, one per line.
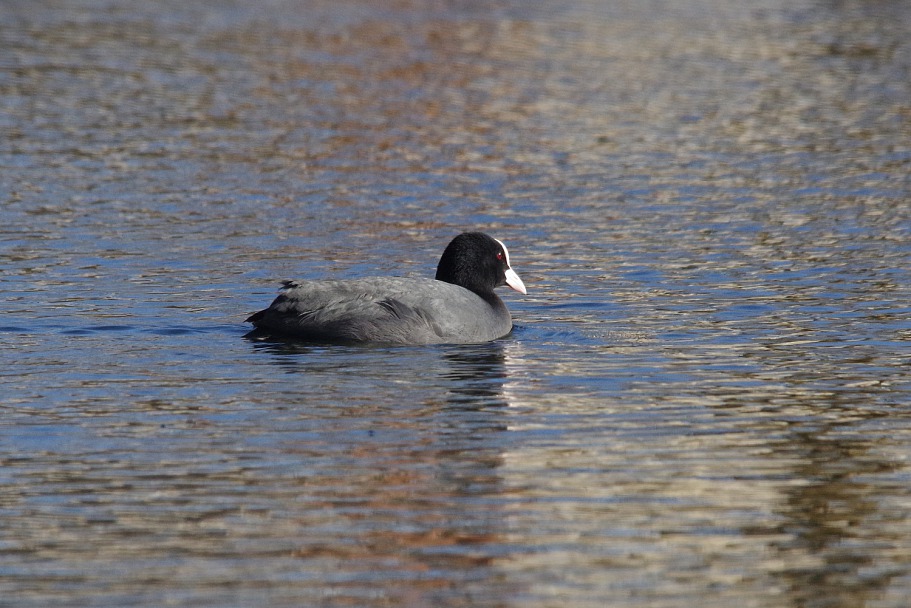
<point x="458" y="306"/>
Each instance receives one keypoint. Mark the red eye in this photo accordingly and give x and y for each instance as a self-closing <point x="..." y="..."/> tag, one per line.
<point x="500" y="255"/>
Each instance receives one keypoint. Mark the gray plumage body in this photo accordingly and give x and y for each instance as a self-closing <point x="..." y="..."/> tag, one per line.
<point x="389" y="310"/>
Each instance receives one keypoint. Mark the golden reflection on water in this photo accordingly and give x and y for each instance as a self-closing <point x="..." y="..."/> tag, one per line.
<point x="771" y="473"/>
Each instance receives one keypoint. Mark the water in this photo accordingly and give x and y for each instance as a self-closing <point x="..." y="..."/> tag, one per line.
<point x="707" y="396"/>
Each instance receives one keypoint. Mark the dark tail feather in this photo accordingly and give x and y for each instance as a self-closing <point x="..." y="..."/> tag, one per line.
<point x="255" y="317"/>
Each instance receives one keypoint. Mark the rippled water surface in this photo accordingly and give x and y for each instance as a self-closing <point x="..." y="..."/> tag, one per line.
<point x="706" y="400"/>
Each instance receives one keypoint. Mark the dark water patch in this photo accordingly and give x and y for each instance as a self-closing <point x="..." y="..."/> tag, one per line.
<point x="101" y="329"/>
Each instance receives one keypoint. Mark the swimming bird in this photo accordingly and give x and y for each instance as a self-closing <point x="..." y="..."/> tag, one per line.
<point x="457" y="306"/>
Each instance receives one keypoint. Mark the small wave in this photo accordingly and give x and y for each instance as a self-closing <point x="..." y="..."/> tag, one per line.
<point x="96" y="329"/>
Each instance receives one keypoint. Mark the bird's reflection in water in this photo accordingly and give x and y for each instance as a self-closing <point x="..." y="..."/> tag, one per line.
<point x="445" y="386"/>
<point x="470" y="373"/>
<point x="476" y="373"/>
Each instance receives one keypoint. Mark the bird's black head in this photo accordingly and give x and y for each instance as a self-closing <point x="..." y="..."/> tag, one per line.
<point x="479" y="263"/>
